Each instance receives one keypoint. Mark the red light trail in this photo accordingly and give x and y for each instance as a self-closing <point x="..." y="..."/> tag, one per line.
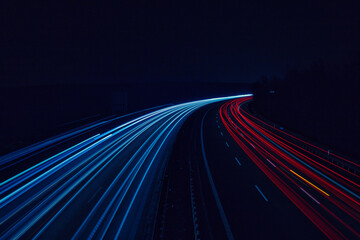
<point x="329" y="195"/>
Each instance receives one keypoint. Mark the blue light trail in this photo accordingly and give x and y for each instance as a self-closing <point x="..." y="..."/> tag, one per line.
<point x="97" y="188"/>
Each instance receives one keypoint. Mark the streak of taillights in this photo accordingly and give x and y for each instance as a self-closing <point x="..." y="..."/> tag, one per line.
<point x="294" y="169"/>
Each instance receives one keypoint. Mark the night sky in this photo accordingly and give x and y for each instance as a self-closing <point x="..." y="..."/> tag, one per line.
<point x="47" y="43"/>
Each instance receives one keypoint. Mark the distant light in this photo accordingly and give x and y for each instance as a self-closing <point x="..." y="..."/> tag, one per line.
<point x="271" y="91"/>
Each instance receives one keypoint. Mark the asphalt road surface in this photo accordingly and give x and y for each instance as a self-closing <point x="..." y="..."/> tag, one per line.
<point x="207" y="169"/>
<point x="99" y="181"/>
<point x="248" y="180"/>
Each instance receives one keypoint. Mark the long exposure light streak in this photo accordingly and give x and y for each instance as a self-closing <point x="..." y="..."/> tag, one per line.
<point x="99" y="186"/>
<point x="325" y="192"/>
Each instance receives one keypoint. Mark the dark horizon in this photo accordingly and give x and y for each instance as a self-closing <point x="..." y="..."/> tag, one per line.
<point x="77" y="43"/>
<point x="188" y="120"/>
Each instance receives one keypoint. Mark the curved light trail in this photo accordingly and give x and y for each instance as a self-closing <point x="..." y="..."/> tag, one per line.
<point x="328" y="194"/>
<point x="97" y="188"/>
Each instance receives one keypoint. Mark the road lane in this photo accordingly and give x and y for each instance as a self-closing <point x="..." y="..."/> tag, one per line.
<point x="235" y="177"/>
<point x="229" y="176"/>
<point x="328" y="194"/>
<point x="101" y="187"/>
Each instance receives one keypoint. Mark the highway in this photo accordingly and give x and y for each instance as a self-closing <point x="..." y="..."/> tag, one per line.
<point x="326" y="193"/>
<point x="208" y="169"/>
<point x="100" y="187"/>
<point x="248" y="180"/>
